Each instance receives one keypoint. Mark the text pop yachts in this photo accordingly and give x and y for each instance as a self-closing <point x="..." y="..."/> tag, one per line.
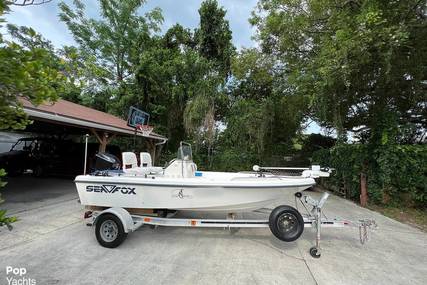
<point x="110" y="189"/>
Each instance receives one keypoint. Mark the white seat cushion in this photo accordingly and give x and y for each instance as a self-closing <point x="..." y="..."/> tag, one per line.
<point x="129" y="160"/>
<point x="145" y="159"/>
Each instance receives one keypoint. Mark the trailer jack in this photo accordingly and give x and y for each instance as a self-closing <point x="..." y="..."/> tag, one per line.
<point x="313" y="218"/>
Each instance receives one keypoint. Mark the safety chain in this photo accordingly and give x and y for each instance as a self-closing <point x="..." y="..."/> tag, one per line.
<point x="364" y="227"/>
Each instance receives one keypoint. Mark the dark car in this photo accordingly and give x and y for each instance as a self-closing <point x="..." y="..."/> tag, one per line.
<point x="18" y="159"/>
<point x="50" y="156"/>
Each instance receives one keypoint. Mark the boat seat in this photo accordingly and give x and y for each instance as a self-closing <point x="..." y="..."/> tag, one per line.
<point x="129" y="160"/>
<point x="145" y="159"/>
<point x="147" y="163"/>
<point x="130" y="164"/>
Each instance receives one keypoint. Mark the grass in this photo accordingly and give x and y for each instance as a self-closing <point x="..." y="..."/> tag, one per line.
<point x="413" y="217"/>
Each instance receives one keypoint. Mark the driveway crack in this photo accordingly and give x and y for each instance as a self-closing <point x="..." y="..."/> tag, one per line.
<point x="308" y="267"/>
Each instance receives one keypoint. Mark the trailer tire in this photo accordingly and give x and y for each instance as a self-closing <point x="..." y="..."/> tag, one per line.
<point x="314" y="252"/>
<point x="109" y="231"/>
<point x="286" y="223"/>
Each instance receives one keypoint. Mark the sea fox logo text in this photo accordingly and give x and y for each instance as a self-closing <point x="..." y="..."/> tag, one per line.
<point x="110" y="189"/>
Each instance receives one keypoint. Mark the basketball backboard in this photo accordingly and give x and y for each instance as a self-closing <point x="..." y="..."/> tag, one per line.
<point x="137" y="117"/>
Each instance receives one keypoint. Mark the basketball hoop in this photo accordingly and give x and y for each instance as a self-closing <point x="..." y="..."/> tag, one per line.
<point x="145" y="129"/>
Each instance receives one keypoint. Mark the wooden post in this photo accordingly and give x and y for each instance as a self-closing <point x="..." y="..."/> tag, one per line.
<point x="363" y="190"/>
<point x="103" y="140"/>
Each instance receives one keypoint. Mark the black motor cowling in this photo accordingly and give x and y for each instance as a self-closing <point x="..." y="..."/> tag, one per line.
<point x="106" y="161"/>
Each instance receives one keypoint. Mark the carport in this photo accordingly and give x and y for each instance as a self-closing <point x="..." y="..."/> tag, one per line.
<point x="71" y="118"/>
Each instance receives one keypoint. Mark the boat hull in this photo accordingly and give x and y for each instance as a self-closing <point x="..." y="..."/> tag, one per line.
<point x="191" y="194"/>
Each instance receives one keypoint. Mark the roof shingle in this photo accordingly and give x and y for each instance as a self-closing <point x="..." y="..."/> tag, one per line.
<point x="75" y="111"/>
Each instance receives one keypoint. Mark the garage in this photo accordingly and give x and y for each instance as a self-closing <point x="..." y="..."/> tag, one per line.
<point x="54" y="144"/>
<point x="43" y="159"/>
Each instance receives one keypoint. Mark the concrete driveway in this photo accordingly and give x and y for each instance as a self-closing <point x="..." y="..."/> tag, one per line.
<point x="55" y="247"/>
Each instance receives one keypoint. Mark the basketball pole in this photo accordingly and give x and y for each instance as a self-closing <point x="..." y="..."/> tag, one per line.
<point x="134" y="139"/>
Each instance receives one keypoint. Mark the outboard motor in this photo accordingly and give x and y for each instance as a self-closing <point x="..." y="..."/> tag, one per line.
<point x="106" y="161"/>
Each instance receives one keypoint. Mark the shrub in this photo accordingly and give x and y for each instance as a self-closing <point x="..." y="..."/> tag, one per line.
<point x="4" y="220"/>
<point x="397" y="174"/>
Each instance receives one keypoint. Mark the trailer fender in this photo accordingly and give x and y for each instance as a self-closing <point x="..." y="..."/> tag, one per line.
<point x="122" y="214"/>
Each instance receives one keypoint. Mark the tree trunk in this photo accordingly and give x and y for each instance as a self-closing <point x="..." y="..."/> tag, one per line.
<point x="363" y="190"/>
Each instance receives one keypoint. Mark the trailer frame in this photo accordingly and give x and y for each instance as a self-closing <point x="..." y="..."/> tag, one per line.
<point x="312" y="219"/>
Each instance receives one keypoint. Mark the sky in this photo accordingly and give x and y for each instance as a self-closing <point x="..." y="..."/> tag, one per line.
<point x="44" y="19"/>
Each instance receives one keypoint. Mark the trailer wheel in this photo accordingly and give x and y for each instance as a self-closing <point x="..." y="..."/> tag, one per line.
<point x="286" y="223"/>
<point x="109" y="231"/>
<point x="314" y="252"/>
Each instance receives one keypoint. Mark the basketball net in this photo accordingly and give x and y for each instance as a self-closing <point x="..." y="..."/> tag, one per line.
<point x="145" y="129"/>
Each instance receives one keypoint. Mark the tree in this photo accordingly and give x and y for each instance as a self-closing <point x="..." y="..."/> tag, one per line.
<point x="214" y="36"/>
<point x="168" y="77"/>
<point x="264" y="115"/>
<point x="86" y="82"/>
<point x="363" y="63"/>
<point x="117" y="39"/>
<point x="25" y="71"/>
<point x="28" y="71"/>
<point x="29" y="38"/>
<point x="82" y="76"/>
<point x="212" y="39"/>
<point x="29" y="2"/>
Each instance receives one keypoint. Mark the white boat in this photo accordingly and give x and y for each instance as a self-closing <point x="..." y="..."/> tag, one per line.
<point x="179" y="186"/>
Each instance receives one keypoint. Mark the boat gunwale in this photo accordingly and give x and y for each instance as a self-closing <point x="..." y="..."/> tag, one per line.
<point x="144" y="183"/>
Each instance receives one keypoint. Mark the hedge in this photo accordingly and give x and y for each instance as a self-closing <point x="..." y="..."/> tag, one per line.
<point x="396" y="174"/>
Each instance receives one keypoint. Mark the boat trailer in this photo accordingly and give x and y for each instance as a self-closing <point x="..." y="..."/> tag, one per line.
<point x="285" y="222"/>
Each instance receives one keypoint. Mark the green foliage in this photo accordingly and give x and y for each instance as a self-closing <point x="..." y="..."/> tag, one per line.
<point x="315" y="142"/>
<point x="396" y="173"/>
<point x="231" y="159"/>
<point x="85" y="78"/>
<point x="181" y="78"/>
<point x="214" y="36"/>
<point x="4" y="220"/>
<point x="262" y="116"/>
<point x="29" y="38"/>
<point x="26" y="73"/>
<point x="125" y="63"/>
<point x="212" y="41"/>
<point x="116" y="40"/>
<point x="362" y="63"/>
<point x="171" y="82"/>
<point x="2" y="183"/>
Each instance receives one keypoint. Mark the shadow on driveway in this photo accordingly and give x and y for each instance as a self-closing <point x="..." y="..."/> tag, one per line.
<point x="27" y="192"/>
